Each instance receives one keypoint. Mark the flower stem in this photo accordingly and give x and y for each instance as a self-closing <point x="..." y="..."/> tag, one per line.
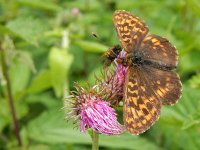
<point x="10" y="96"/>
<point x="95" y="141"/>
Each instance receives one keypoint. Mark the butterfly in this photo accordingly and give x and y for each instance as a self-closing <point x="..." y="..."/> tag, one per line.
<point x="151" y="80"/>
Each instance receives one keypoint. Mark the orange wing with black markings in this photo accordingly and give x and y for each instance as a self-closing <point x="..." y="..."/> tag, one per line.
<point x="165" y="84"/>
<point x="130" y="29"/>
<point x="141" y="105"/>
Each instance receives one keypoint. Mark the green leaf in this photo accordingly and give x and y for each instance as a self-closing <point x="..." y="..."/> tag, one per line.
<point x="4" y="113"/>
<point x="192" y="120"/>
<point x="25" y="58"/>
<point x="195" y="6"/>
<point x="5" y="30"/>
<point x="40" y="146"/>
<point x="45" y="4"/>
<point x="182" y="121"/>
<point x="29" y="29"/>
<point x="93" y="5"/>
<point x="195" y="81"/>
<point x="92" y="46"/>
<point x="94" y="74"/>
<point x="6" y="117"/>
<point x="44" y="98"/>
<point x="190" y="62"/>
<point x="51" y="128"/>
<point x="41" y="82"/>
<point x="59" y="63"/>
<point x="187" y="139"/>
<point x="20" y="75"/>
<point x="187" y="106"/>
<point x="127" y="141"/>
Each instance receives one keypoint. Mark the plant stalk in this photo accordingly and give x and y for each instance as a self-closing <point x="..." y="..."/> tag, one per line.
<point x="10" y="97"/>
<point x="95" y="140"/>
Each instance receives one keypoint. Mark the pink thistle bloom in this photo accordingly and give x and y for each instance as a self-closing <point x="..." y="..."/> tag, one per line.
<point x="92" y="108"/>
<point x="120" y="69"/>
<point x="113" y="82"/>
<point x="98" y="115"/>
<point x="94" y="113"/>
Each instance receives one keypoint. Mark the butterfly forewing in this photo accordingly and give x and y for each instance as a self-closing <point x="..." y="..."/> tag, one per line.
<point x="159" y="50"/>
<point x="130" y="29"/>
<point x="141" y="106"/>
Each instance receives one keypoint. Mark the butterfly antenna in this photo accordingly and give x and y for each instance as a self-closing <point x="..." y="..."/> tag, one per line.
<point x="95" y="35"/>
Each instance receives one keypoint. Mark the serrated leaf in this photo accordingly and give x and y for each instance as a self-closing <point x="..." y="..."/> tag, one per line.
<point x="192" y="120"/>
<point x="185" y="108"/>
<point x="29" y="29"/>
<point x="92" y="46"/>
<point x="51" y="128"/>
<point x="181" y="121"/>
<point x="187" y="139"/>
<point x="59" y="63"/>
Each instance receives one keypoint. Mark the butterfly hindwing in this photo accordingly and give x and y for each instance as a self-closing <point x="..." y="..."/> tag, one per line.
<point x="130" y="29"/>
<point x="141" y="106"/>
<point x="165" y="84"/>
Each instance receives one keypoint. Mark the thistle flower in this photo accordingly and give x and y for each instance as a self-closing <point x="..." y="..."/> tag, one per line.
<point x="92" y="108"/>
<point x="93" y="112"/>
<point x="113" y="82"/>
<point x="120" y="70"/>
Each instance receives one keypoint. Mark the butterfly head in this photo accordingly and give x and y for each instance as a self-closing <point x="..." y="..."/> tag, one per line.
<point x="131" y="59"/>
<point x="137" y="59"/>
<point x="125" y="61"/>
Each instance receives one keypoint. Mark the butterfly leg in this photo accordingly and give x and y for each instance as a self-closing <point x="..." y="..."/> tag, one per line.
<point x="127" y="60"/>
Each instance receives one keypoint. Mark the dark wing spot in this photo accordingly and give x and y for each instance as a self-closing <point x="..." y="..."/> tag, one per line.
<point x="145" y="111"/>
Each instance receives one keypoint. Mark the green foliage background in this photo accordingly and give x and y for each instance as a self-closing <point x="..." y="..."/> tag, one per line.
<point x="49" y="45"/>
